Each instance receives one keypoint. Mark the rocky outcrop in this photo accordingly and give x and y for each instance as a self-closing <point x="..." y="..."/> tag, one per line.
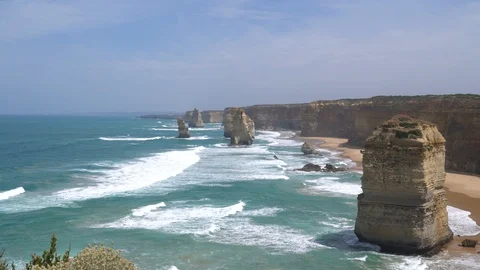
<point x="403" y="205"/>
<point x="211" y="116"/>
<point x="307" y="149"/>
<point x="196" y="119"/>
<point x="240" y="133"/>
<point x="310" y="167"/>
<point x="456" y="116"/>
<point x="182" y="129"/>
<point x="228" y="122"/>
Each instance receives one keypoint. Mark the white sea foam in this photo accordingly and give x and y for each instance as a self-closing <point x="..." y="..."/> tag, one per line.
<point x="328" y="184"/>
<point x="460" y="222"/>
<point x="410" y="263"/>
<point x="198" y="138"/>
<point x="361" y="259"/>
<point x="142" y="211"/>
<point x="130" y="139"/>
<point x="134" y="175"/>
<point x="164" y="129"/>
<point x="173" y="267"/>
<point x="5" y="195"/>
<point x="226" y="225"/>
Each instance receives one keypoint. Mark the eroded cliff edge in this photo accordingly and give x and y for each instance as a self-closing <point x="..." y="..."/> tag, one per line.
<point x="211" y="116"/>
<point x="456" y="116"/>
<point x="403" y="205"/>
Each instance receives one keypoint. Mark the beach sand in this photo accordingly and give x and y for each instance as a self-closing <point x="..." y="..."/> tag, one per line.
<point x="463" y="190"/>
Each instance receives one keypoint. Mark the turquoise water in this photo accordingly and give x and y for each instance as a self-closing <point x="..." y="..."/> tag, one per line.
<point x="171" y="203"/>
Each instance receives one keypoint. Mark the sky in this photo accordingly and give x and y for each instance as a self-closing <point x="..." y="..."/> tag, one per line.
<point x="85" y="56"/>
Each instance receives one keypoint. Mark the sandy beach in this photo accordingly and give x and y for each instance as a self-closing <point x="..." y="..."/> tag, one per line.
<point x="463" y="190"/>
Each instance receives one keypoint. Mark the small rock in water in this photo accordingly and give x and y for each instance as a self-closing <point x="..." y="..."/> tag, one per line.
<point x="469" y="243"/>
<point x="307" y="149"/>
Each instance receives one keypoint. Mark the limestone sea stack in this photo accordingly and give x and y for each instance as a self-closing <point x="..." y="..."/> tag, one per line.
<point x="182" y="129"/>
<point x="228" y="118"/>
<point x="241" y="130"/>
<point x="196" y="119"/>
<point x="403" y="205"/>
<point x="307" y="149"/>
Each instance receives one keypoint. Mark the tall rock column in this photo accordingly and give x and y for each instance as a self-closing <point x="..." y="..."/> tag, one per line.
<point x="182" y="129"/>
<point x="228" y="122"/>
<point x="196" y="119"/>
<point x="241" y="133"/>
<point x="403" y="205"/>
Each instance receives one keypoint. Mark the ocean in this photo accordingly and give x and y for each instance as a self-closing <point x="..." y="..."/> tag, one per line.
<point x="194" y="203"/>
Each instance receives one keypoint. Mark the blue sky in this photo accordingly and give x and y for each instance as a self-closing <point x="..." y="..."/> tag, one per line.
<point x="123" y="56"/>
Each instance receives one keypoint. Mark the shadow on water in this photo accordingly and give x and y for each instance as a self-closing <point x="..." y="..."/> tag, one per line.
<point x="345" y="240"/>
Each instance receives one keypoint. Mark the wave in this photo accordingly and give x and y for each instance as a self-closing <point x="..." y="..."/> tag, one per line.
<point x="11" y="193"/>
<point x="460" y="222"/>
<point x="132" y="176"/>
<point x="142" y="211"/>
<point x="129" y="139"/>
<point x="226" y="225"/>
<point x="198" y="138"/>
<point x="328" y="184"/>
<point x="164" y="129"/>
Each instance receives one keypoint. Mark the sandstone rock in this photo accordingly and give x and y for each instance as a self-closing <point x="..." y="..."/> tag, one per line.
<point x="182" y="129"/>
<point x="241" y="130"/>
<point x="469" y="243"/>
<point x="310" y="167"/>
<point x="403" y="205"/>
<point x="228" y="118"/>
<point x="308" y="149"/>
<point x="196" y="119"/>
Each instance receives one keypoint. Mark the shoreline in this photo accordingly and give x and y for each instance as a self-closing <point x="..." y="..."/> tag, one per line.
<point x="463" y="190"/>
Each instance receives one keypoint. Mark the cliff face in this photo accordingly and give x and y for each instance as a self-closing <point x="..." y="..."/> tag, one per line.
<point x="228" y="122"/>
<point x="276" y="117"/>
<point x="212" y="116"/>
<point x="403" y="205"/>
<point x="241" y="128"/>
<point x="196" y="119"/>
<point x="456" y="116"/>
<point x="207" y="116"/>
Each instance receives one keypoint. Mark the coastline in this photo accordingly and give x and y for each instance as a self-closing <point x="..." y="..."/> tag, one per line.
<point x="463" y="190"/>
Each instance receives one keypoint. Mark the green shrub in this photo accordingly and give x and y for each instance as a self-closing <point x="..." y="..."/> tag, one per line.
<point x="408" y="124"/>
<point x="3" y="263"/>
<point x="49" y="257"/>
<point x="100" y="257"/>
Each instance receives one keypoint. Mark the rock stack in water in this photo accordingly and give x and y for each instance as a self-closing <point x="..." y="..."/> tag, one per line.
<point x="308" y="149"/>
<point x="228" y="118"/>
<point x="403" y="205"/>
<point x="196" y="119"/>
<point x="182" y="129"/>
<point x="241" y="133"/>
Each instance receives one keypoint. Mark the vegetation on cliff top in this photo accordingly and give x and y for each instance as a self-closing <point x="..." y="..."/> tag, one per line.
<point x="93" y="257"/>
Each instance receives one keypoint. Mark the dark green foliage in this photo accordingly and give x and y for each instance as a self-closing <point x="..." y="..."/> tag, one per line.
<point x="3" y="263"/>
<point x="49" y="257"/>
<point x="411" y="134"/>
<point x="408" y="124"/>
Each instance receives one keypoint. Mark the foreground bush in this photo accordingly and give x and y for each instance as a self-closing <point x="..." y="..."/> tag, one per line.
<point x="93" y="257"/>
<point x="3" y="263"/>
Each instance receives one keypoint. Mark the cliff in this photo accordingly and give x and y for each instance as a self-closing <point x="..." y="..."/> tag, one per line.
<point x="403" y="205"/>
<point x="456" y="116"/>
<point x="211" y="116"/>
<point x="241" y="133"/>
<point x="196" y="119"/>
<point x="229" y="118"/>
<point x="276" y="117"/>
